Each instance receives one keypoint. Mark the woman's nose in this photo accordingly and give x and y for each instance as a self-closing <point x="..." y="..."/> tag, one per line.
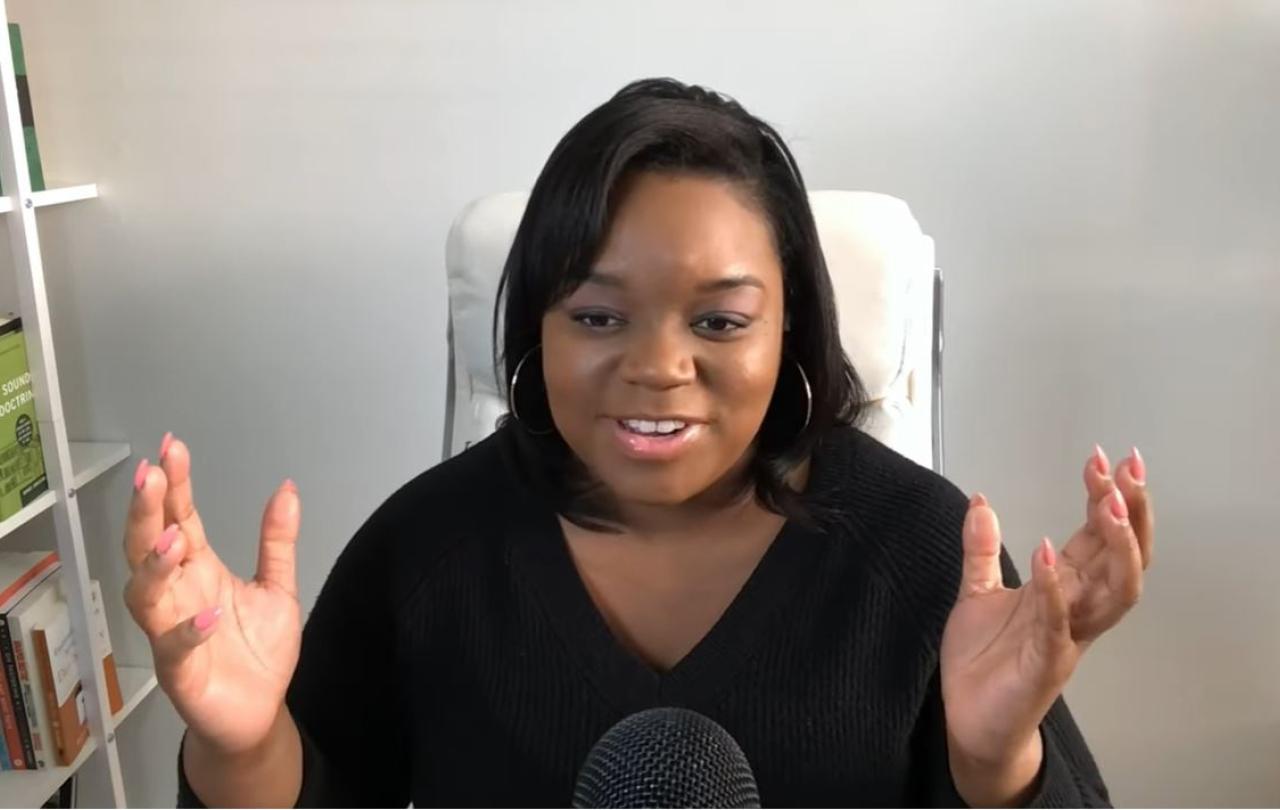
<point x="657" y="358"/>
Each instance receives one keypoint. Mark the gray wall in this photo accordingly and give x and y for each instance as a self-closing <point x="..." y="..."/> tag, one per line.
<point x="263" y="272"/>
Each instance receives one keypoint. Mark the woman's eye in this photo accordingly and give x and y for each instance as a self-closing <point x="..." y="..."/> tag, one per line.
<point x="719" y="324"/>
<point x="597" y="320"/>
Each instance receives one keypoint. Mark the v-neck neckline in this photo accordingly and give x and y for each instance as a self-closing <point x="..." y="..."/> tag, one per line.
<point x="541" y="555"/>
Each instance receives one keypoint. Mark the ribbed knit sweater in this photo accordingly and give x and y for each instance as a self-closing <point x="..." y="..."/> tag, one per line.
<point x="454" y="656"/>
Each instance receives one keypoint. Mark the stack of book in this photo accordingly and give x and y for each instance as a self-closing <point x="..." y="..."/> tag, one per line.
<point x="43" y="719"/>
<point x="24" y="105"/>
<point x="22" y="473"/>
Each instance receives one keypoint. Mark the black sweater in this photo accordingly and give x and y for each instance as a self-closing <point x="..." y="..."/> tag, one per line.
<point x="454" y="656"/>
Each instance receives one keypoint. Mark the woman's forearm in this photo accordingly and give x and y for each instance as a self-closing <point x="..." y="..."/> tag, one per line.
<point x="1010" y="783"/>
<point x="269" y="775"/>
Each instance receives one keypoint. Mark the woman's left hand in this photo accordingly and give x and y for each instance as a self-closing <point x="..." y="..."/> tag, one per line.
<point x="1007" y="652"/>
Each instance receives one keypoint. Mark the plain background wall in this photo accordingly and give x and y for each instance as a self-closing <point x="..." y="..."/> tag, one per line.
<point x="263" y="273"/>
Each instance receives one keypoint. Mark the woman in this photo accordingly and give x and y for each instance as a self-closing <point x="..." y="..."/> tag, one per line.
<point x="679" y="510"/>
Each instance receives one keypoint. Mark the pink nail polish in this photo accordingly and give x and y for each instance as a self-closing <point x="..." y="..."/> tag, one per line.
<point x="1050" y="556"/>
<point x="166" y="540"/>
<point x="205" y="618"/>
<point x="1100" y="461"/>
<point x="1118" y="507"/>
<point x="1138" y="468"/>
<point x="165" y="444"/>
<point x="140" y="477"/>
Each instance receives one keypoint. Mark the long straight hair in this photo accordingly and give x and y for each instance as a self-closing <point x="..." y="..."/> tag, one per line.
<point x="666" y="126"/>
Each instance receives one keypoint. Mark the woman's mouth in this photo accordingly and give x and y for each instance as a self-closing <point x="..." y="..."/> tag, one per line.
<point x="656" y="439"/>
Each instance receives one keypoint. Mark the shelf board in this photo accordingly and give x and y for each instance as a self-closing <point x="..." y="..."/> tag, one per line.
<point x="28" y="512"/>
<point x="32" y="788"/>
<point x="54" y="196"/>
<point x="88" y="461"/>
<point x="91" y="459"/>
<point x="135" y="684"/>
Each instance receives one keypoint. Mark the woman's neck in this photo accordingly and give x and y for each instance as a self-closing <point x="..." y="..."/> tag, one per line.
<point x="718" y="511"/>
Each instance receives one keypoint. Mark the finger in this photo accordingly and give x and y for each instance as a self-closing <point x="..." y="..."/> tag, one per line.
<point x="981" y="539"/>
<point x="1120" y="567"/>
<point x="1097" y="479"/>
<point x="179" y="501"/>
<point x="145" y="522"/>
<point x="146" y="595"/>
<point x="1053" y="636"/>
<point x="171" y="648"/>
<point x="1097" y="474"/>
<point x="1131" y="477"/>
<point x="1097" y="483"/>
<point x="277" y="550"/>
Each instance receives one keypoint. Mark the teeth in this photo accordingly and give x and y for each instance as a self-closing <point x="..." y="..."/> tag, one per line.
<point x="651" y="427"/>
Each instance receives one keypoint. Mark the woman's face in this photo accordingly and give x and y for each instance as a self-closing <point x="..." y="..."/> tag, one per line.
<point x="659" y="368"/>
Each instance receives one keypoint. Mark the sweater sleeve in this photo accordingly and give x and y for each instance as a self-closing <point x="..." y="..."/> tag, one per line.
<point x="348" y="696"/>
<point x="1068" y="776"/>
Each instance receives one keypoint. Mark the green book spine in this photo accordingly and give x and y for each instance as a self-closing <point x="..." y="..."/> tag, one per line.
<point x="22" y="473"/>
<point x="24" y="106"/>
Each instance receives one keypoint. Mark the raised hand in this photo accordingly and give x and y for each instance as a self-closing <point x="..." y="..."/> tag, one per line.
<point x="1007" y="653"/>
<point x="224" y="648"/>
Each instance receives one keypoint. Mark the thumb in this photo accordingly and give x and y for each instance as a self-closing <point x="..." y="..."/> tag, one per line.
<point x="277" y="549"/>
<point x="981" y="572"/>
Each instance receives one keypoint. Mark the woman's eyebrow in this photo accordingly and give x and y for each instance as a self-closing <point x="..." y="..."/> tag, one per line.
<point x="604" y="279"/>
<point x="715" y="285"/>
<point x="731" y="283"/>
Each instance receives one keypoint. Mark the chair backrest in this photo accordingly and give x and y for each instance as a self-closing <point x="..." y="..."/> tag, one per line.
<point x="881" y="266"/>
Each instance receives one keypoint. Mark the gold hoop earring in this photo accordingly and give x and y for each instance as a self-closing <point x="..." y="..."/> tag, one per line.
<point x="511" y="395"/>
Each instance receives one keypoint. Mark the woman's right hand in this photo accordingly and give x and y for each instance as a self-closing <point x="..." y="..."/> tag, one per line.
<point x="224" y="648"/>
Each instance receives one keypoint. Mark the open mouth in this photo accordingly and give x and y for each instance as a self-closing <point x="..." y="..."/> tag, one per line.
<point x="656" y="439"/>
<point x="645" y="427"/>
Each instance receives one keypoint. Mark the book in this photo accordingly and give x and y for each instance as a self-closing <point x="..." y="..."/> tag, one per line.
<point x="35" y="169"/>
<point x="102" y="649"/>
<point x="8" y="726"/>
<point x="22" y="471"/>
<point x="64" y="693"/>
<point x="62" y="696"/>
<point x="38" y="608"/>
<point x="21" y="572"/>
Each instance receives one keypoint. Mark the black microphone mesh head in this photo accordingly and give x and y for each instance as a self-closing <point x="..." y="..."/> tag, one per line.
<point x="666" y="758"/>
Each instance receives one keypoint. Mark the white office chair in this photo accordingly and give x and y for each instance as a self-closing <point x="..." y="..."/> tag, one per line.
<point x="888" y="296"/>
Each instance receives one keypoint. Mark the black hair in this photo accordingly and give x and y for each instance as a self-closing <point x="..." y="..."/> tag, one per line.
<point x="667" y="126"/>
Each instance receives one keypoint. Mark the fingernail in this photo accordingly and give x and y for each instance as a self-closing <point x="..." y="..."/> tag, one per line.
<point x="205" y="618"/>
<point x="288" y="484"/>
<point x="164" y="445"/>
<point x="140" y="477"/>
<point x="1118" y="507"/>
<point x="166" y="540"/>
<point x="1138" y="468"/>
<point x="1050" y="556"/>
<point x="1100" y="462"/>
<point x="978" y="499"/>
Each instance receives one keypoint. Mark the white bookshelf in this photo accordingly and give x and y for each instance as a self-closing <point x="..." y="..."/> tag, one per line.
<point x="70" y="466"/>
<point x="31" y="788"/>
<point x="54" y="196"/>
<point x="38" y="506"/>
<point x="91" y="459"/>
<point x="88" y="461"/>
